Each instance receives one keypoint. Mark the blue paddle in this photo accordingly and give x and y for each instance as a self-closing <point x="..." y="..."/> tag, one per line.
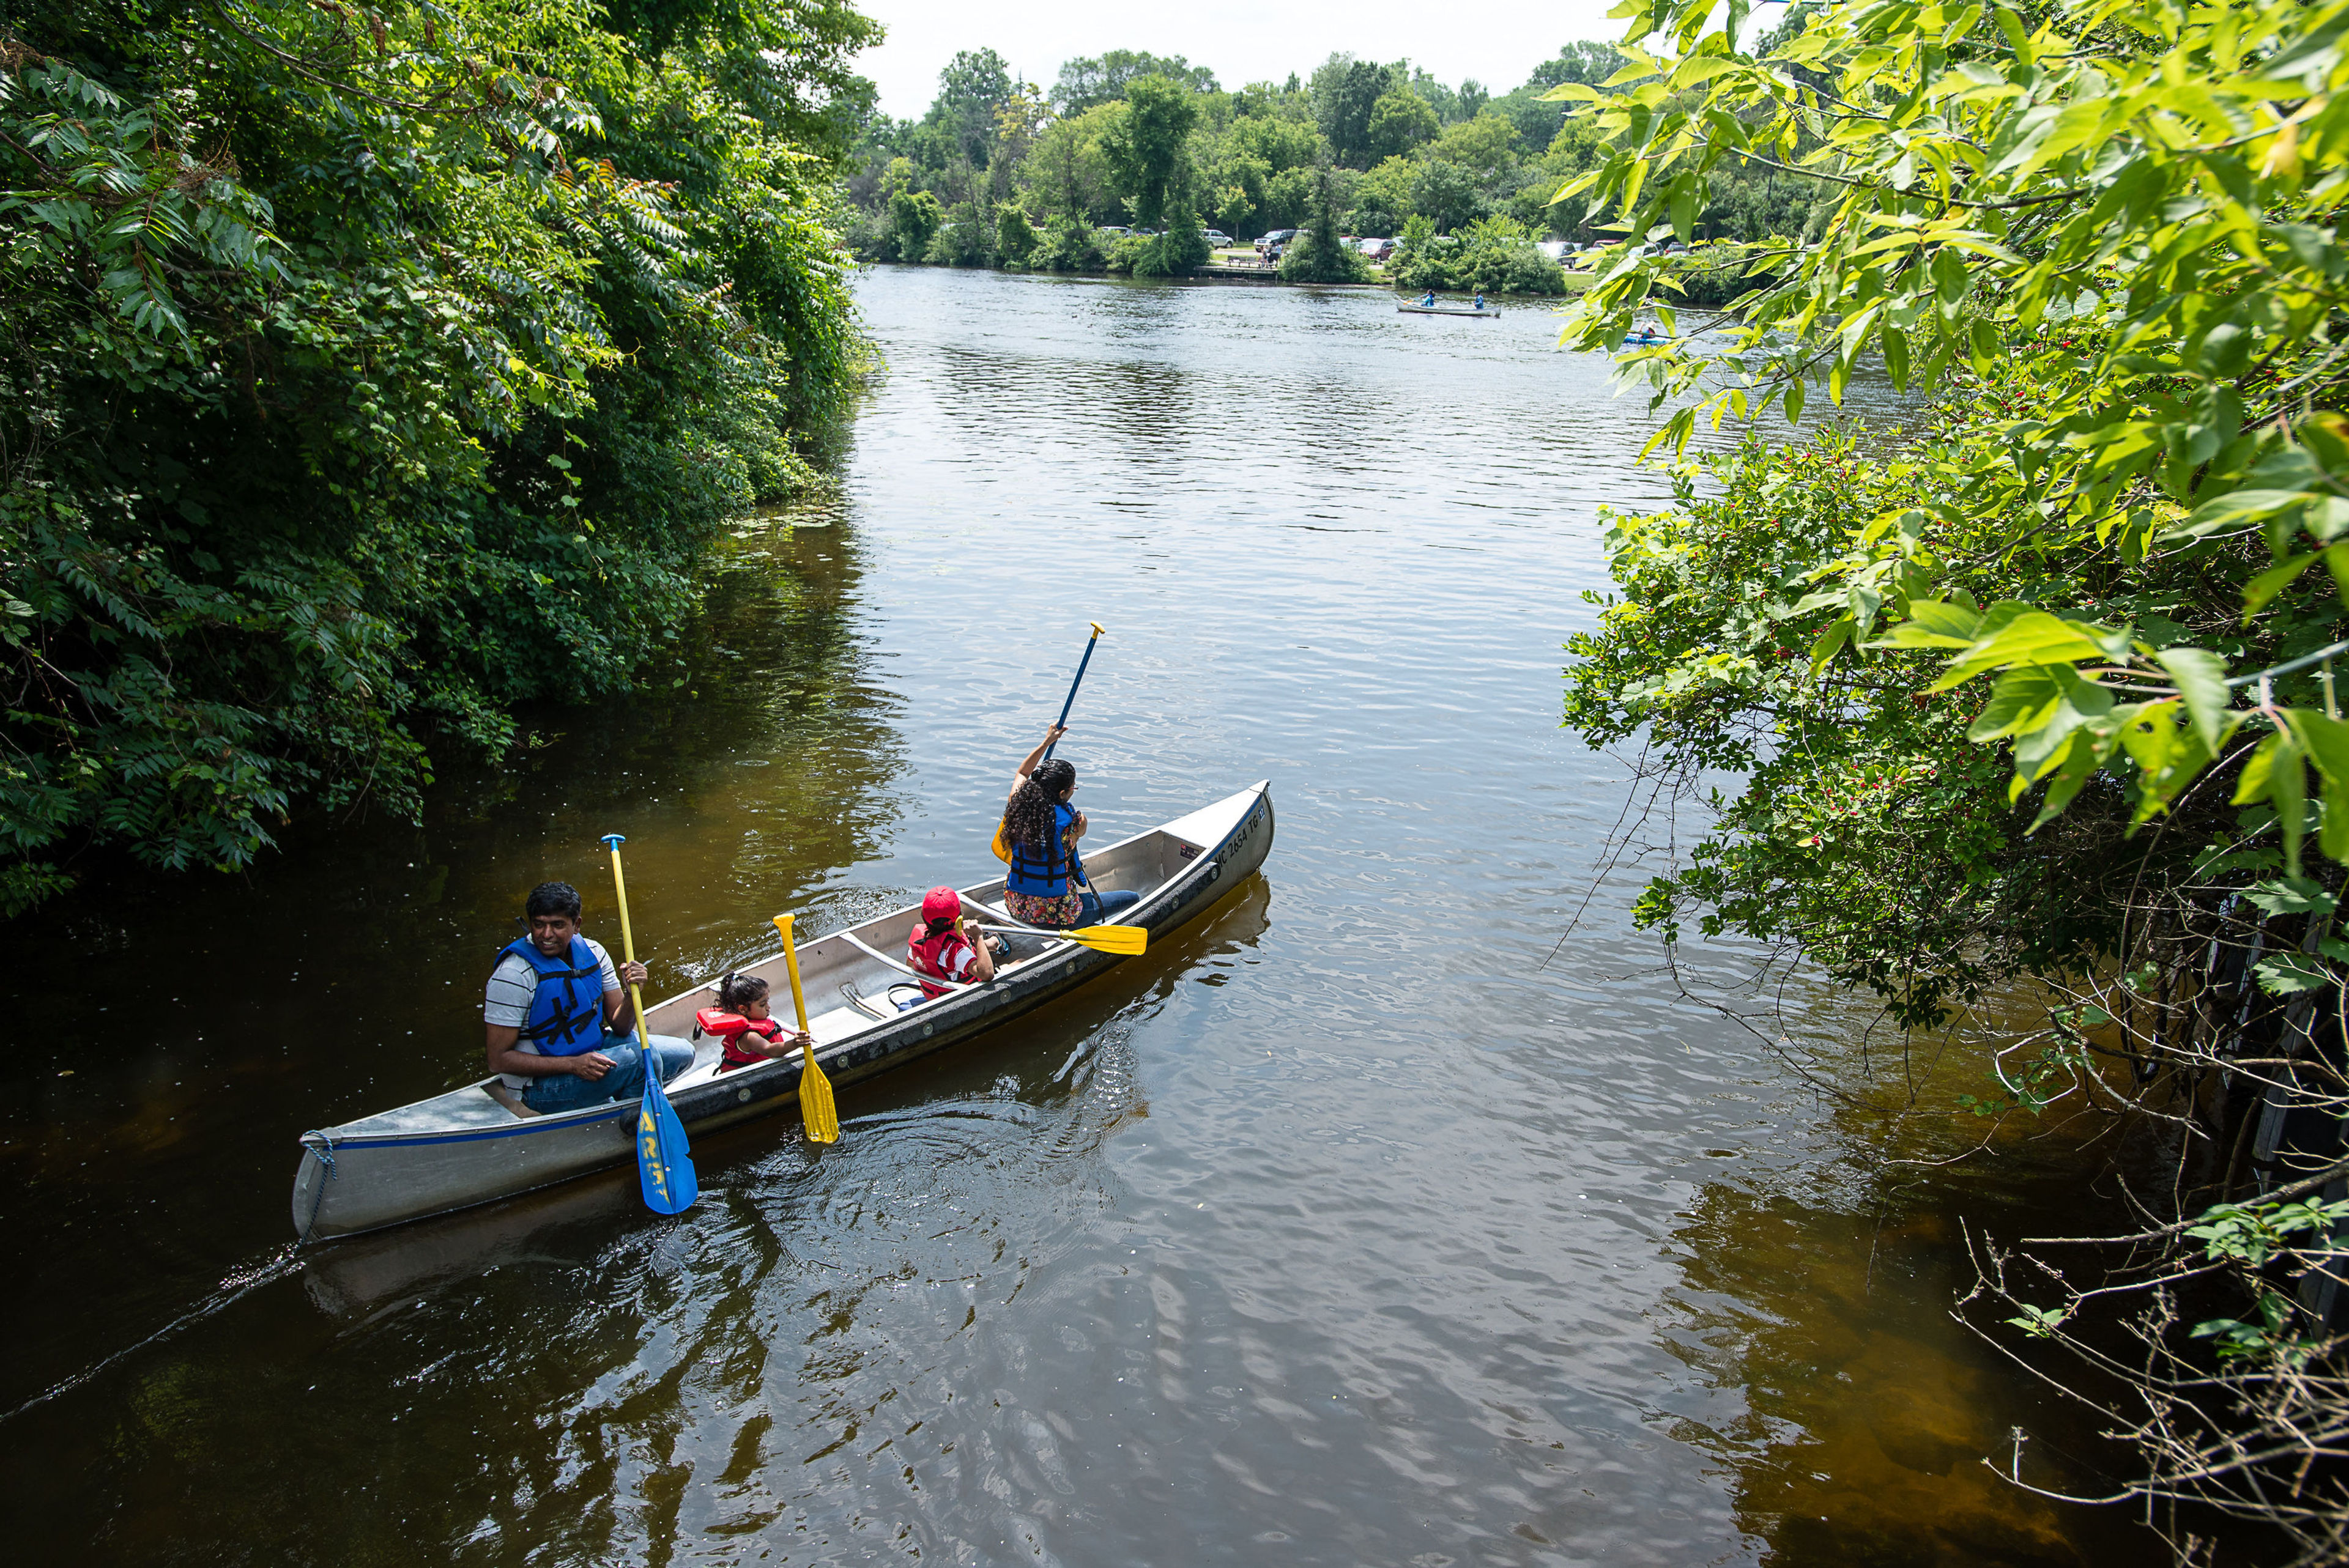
<point x="1002" y="845"/>
<point x="1062" y="722"/>
<point x="664" y="1162"/>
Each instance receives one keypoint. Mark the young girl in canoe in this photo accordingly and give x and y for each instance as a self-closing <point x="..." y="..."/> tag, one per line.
<point x="1047" y="885"/>
<point x="745" y="1027"/>
<point x="941" y="949"/>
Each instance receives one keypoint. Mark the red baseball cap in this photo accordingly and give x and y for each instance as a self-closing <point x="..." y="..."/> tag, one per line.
<point x="941" y="904"/>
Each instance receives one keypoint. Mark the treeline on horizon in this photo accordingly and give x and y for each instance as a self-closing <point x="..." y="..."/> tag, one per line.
<point x="1000" y="171"/>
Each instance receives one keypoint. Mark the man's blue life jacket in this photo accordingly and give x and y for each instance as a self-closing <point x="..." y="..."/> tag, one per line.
<point x="566" y="1015"/>
<point x="1044" y="874"/>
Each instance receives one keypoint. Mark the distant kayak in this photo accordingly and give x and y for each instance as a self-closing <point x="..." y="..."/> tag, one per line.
<point x="1447" y="310"/>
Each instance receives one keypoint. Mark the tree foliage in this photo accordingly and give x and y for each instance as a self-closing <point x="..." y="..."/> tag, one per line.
<point x="2132" y="209"/>
<point x="2043" y="688"/>
<point x="367" y="373"/>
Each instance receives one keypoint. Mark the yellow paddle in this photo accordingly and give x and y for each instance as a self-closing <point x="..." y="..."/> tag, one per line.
<point x="1125" y="941"/>
<point x="816" y="1089"/>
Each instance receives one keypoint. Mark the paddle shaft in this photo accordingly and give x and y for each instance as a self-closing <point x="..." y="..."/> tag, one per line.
<point x="628" y="955"/>
<point x="791" y="967"/>
<point x="1062" y="722"/>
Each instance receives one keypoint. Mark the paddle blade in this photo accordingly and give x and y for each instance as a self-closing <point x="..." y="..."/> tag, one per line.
<point x="815" y="1104"/>
<point x="664" y="1163"/>
<point x="1002" y="845"/>
<point x="1127" y="940"/>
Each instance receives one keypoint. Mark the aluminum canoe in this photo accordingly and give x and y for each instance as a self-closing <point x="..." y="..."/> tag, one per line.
<point x="470" y="1146"/>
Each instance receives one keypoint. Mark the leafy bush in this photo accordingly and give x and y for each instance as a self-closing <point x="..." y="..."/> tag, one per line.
<point x="1495" y="255"/>
<point x="1178" y="252"/>
<point x="1015" y="237"/>
<point x="1319" y="255"/>
<point x="917" y="217"/>
<point x="1071" y="247"/>
<point x="359" y="378"/>
<point x="1123" y="251"/>
<point x="964" y="238"/>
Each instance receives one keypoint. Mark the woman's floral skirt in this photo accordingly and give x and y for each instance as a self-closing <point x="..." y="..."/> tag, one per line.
<point x="1060" y="913"/>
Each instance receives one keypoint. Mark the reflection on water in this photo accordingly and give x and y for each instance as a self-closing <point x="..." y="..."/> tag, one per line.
<point x="1336" y="1230"/>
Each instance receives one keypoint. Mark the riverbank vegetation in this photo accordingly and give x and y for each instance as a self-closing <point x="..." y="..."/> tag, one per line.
<point x="365" y="372"/>
<point x="1004" y="172"/>
<point x="2042" y="695"/>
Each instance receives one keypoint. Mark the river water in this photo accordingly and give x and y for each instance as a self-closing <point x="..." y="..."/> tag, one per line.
<point x="1340" y="1228"/>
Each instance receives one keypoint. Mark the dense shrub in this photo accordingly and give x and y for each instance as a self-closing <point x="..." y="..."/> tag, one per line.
<point x="1495" y="255"/>
<point x="360" y="377"/>
<point x="1178" y="252"/>
<point x="964" y="238"/>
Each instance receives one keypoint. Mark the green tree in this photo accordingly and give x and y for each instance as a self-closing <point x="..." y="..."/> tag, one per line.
<point x="2066" y="652"/>
<point x="1065" y="175"/>
<point x="1015" y="236"/>
<point x="974" y="89"/>
<point x="1085" y="83"/>
<point x="1398" y="122"/>
<point x="1144" y="145"/>
<point x="1446" y="194"/>
<point x="914" y="217"/>
<point x="1383" y="199"/>
<point x="362" y="377"/>
<point x="1344" y="92"/>
<point x="1320" y="255"/>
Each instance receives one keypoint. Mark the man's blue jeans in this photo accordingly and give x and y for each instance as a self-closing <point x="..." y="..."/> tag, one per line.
<point x="1100" y="906"/>
<point x="625" y="1081"/>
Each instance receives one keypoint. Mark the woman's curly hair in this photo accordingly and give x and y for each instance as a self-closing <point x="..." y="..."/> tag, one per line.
<point x="1028" y="818"/>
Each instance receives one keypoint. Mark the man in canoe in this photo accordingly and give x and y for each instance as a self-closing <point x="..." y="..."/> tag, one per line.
<point x="1047" y="885"/>
<point x="1428" y="298"/>
<point x="557" y="1013"/>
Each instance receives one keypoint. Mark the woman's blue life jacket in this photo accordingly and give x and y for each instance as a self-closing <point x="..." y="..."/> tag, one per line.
<point x="566" y="1015"/>
<point x="1045" y="872"/>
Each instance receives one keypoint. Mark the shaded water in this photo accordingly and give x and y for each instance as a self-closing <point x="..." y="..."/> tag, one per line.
<point x="1336" y="1230"/>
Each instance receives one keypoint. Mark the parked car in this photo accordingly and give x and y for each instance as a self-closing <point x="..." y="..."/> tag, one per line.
<point x="1555" y="250"/>
<point x="1665" y="247"/>
<point x="1218" y="238"/>
<point x="1120" y="230"/>
<point x="1377" y="250"/>
<point x="1270" y="244"/>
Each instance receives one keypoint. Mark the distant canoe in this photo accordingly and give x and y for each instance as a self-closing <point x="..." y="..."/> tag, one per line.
<point x="1447" y="310"/>
<point x="468" y="1146"/>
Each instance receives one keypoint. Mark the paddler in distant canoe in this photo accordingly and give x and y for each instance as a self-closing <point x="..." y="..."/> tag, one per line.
<point x="1047" y="885"/>
<point x="556" y="1014"/>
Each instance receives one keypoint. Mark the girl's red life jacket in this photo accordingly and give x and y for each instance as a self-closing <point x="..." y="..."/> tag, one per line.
<point x="729" y="1028"/>
<point x="939" y="955"/>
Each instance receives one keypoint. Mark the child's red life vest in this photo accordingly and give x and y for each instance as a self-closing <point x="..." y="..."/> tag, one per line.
<point x="729" y="1028"/>
<point x="940" y="955"/>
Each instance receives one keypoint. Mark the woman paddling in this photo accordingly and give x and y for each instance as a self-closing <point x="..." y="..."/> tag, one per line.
<point x="1047" y="885"/>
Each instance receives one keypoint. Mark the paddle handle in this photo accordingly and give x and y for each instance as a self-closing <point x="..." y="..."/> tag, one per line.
<point x="791" y="967"/>
<point x="1062" y="722"/>
<point x="627" y="941"/>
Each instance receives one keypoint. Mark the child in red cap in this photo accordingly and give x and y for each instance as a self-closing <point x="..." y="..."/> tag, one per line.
<point x="939" y="946"/>
<point x="745" y="1027"/>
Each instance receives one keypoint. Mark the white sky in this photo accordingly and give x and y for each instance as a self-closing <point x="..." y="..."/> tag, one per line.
<point x="1241" y="40"/>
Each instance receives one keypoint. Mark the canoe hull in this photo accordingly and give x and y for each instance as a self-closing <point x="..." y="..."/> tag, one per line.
<point x="379" y="1172"/>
